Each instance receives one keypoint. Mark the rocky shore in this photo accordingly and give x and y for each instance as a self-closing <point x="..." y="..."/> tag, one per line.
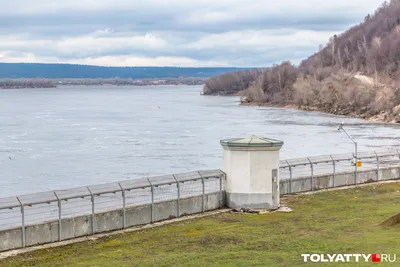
<point x="392" y="116"/>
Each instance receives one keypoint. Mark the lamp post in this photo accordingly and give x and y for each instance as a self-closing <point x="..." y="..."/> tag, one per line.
<point x="340" y="127"/>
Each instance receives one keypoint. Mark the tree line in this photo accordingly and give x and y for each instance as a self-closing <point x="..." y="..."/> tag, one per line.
<point x="26" y="83"/>
<point x="51" y="83"/>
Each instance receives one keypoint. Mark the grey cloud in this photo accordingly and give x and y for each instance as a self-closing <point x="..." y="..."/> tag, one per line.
<point x="64" y="24"/>
<point x="178" y="29"/>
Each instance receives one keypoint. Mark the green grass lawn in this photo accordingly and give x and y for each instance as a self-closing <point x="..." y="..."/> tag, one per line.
<point x="344" y="221"/>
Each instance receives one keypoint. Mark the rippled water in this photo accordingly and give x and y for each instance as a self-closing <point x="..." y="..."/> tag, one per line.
<point x="75" y="136"/>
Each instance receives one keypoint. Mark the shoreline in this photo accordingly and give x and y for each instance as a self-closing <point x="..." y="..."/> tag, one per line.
<point x="89" y="85"/>
<point x="379" y="118"/>
<point x="26" y="87"/>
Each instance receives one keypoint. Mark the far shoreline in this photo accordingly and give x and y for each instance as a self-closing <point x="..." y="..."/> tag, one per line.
<point x="25" y="83"/>
<point x="92" y="85"/>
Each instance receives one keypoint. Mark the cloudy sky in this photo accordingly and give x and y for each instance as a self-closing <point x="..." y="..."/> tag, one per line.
<point x="243" y="33"/>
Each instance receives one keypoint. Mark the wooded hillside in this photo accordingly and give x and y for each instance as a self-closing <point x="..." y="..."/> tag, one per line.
<point x="335" y="79"/>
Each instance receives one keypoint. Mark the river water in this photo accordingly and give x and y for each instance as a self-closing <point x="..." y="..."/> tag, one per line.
<point x="75" y="136"/>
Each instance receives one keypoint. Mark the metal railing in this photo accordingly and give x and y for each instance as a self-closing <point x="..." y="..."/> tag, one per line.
<point x="37" y="208"/>
<point x="22" y="211"/>
<point x="293" y="169"/>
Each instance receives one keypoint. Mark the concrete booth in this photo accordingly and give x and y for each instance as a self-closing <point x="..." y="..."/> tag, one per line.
<point x="252" y="172"/>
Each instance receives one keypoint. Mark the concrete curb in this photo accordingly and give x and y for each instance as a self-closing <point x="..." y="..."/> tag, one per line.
<point x="348" y="187"/>
<point x="15" y="252"/>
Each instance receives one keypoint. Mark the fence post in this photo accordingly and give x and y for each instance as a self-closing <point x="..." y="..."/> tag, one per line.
<point x="334" y="171"/>
<point x="152" y="201"/>
<point x="59" y="216"/>
<point x="203" y="192"/>
<point x="398" y="154"/>
<point x="23" y="236"/>
<point x="123" y="206"/>
<point x="312" y="174"/>
<point x="92" y="199"/>
<point x="377" y="166"/>
<point x="290" y="176"/>
<point x="178" y="199"/>
<point x="355" y="166"/>
<point x="220" y="189"/>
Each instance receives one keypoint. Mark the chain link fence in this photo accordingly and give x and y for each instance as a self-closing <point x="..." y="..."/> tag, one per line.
<point x="46" y="206"/>
<point x="32" y="209"/>
<point x="58" y="206"/>
<point x="294" y="169"/>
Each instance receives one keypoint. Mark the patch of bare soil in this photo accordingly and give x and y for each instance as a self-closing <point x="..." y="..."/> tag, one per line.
<point x="392" y="221"/>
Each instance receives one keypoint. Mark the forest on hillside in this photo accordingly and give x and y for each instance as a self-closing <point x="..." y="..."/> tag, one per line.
<point x="356" y="73"/>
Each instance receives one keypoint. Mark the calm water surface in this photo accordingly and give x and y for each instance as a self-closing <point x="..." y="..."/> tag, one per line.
<point x="75" y="136"/>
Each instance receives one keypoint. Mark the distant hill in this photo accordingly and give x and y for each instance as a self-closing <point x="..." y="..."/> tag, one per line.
<point x="54" y="71"/>
<point x="356" y="73"/>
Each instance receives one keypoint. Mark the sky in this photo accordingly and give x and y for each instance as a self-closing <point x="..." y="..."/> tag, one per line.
<point x="208" y="33"/>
